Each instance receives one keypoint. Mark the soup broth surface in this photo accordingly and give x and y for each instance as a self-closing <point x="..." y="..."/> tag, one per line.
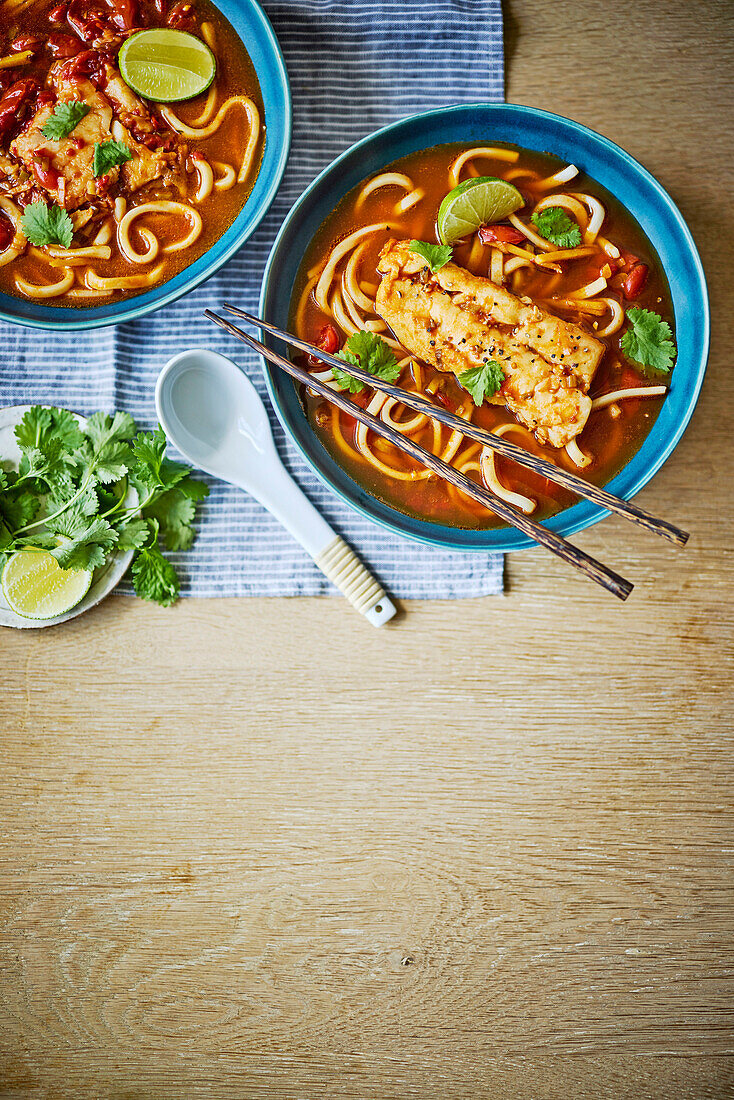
<point x="611" y="435"/>
<point x="55" y="41"/>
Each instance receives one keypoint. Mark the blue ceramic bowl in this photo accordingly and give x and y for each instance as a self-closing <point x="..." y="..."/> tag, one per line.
<point x="611" y="166"/>
<point x="253" y="27"/>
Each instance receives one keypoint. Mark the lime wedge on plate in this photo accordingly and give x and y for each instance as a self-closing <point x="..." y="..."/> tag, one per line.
<point x="36" y="587"/>
<point x="474" y="203"/>
<point x="166" y="65"/>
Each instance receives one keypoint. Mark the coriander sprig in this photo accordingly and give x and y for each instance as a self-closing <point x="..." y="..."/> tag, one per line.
<point x="43" y="224"/>
<point x="370" y="352"/>
<point x="435" y="255"/>
<point x="482" y="381"/>
<point x="648" y="341"/>
<point x="69" y="495"/>
<point x="65" y="118"/>
<point x="554" y="224"/>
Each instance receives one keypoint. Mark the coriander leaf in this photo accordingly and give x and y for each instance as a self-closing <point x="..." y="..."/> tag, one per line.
<point x="33" y="463"/>
<point x="435" y="255"/>
<point x="66" y="429"/>
<point x="149" y="448"/>
<point x="87" y="502"/>
<point x="554" y="224"/>
<point x="175" y="515"/>
<point x="82" y="542"/>
<point x="65" y="118"/>
<point x="649" y="340"/>
<point x="193" y="488"/>
<point x="48" y="463"/>
<point x="152" y="468"/>
<point x="174" y="511"/>
<point x="109" y="463"/>
<point x="102" y="428"/>
<point x="109" y="457"/>
<point x="44" y="224"/>
<point x="107" y="155"/>
<point x="154" y="577"/>
<point x="6" y="540"/>
<point x="17" y="509"/>
<point x="370" y="352"/>
<point x="41" y="424"/>
<point x="34" y="428"/>
<point x="112" y="462"/>
<point x="133" y="534"/>
<point x="482" y="381"/>
<point x="346" y="381"/>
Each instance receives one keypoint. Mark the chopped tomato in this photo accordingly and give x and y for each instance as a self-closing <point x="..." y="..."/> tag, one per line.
<point x="362" y="399"/>
<point x="635" y="281"/>
<point x="328" y="341"/>
<point x="628" y="260"/>
<point x="46" y="175"/>
<point x="123" y="13"/>
<point x="12" y="101"/>
<point x="87" y="20"/>
<point x="445" y="401"/>
<point x="181" y="14"/>
<point x="63" y="45"/>
<point x="501" y="234"/>
<point x="7" y="232"/>
<point x="629" y="378"/>
<point x="596" y="263"/>
<point x="25" y="42"/>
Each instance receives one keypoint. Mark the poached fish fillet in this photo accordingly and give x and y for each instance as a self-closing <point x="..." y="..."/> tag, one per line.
<point x="63" y="169"/>
<point x="457" y="321"/>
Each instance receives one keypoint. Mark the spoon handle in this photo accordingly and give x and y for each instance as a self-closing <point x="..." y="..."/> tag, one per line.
<point x="278" y="492"/>
<point x="344" y="569"/>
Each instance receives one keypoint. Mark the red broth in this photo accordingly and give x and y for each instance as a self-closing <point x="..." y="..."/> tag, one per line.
<point x="86" y="36"/>
<point x="611" y="435"/>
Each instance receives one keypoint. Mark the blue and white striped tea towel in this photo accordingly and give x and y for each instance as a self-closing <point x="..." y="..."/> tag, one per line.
<point x="354" y="66"/>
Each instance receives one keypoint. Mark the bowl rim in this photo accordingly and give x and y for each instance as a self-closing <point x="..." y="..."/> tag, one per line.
<point x="240" y="238"/>
<point x="560" y="523"/>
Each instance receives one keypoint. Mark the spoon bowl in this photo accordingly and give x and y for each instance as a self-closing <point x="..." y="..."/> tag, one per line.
<point x="216" y="417"/>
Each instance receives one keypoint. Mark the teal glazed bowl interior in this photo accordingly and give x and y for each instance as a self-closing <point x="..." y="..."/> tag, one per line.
<point x="253" y="27"/>
<point x="605" y="162"/>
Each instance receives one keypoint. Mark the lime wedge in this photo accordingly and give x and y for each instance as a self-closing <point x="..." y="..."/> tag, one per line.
<point x="166" y="65"/>
<point x="474" y="203"/>
<point x="36" y="587"/>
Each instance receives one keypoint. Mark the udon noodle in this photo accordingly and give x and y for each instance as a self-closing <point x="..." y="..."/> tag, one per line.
<point x="189" y="172"/>
<point x="336" y="298"/>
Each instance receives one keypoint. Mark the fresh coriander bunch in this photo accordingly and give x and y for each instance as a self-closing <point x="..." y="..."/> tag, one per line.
<point x="70" y="496"/>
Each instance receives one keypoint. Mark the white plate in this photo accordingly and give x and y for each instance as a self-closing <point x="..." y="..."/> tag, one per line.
<point x="104" y="580"/>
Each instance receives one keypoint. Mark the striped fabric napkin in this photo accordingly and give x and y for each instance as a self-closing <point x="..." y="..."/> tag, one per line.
<point x="354" y="66"/>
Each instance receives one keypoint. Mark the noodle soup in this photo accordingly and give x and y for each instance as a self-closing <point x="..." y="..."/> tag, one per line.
<point x="586" y="290"/>
<point x="190" y="165"/>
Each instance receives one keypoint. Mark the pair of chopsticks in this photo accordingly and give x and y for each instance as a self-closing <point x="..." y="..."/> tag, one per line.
<point x="592" y="568"/>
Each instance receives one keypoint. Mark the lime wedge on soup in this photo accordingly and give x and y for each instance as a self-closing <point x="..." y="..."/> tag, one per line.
<point x="166" y="65"/>
<point x="36" y="587"/>
<point x="474" y="203"/>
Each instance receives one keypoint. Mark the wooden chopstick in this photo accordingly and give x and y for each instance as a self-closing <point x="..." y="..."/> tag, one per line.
<point x="592" y="568"/>
<point x="502" y="446"/>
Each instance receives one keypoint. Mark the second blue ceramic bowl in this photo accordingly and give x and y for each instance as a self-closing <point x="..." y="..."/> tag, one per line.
<point x="600" y="158"/>
<point x="253" y="27"/>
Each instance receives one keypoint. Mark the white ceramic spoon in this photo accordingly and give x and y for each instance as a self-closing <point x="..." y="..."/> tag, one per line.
<point x="212" y="413"/>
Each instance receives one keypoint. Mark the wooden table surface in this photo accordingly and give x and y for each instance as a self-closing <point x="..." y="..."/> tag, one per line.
<point x="256" y="848"/>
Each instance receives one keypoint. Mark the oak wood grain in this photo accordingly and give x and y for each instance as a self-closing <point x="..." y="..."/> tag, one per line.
<point x="256" y="848"/>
